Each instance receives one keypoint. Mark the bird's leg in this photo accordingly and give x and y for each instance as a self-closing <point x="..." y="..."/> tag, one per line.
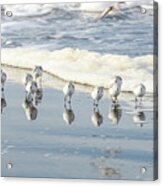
<point x="136" y="100"/>
<point x="94" y="102"/>
<point x="69" y="100"/>
<point x="37" y="97"/>
<point x="64" y="99"/>
<point x="2" y="87"/>
<point x="94" y="105"/>
<point x="97" y="109"/>
<point x="2" y="94"/>
<point x="65" y="106"/>
<point x="70" y="107"/>
<point x="40" y="82"/>
<point x="97" y="103"/>
<point x="116" y="100"/>
<point x="140" y="103"/>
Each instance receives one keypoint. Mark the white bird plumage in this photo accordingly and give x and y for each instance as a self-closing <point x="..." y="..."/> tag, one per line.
<point x="115" y="88"/>
<point x="3" y="78"/>
<point x="31" y="87"/>
<point x="97" y="94"/>
<point x="68" y="91"/>
<point x="27" y="78"/>
<point x="38" y="72"/>
<point x="139" y="91"/>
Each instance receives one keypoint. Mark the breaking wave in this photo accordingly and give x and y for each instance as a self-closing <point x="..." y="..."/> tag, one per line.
<point x="85" y="67"/>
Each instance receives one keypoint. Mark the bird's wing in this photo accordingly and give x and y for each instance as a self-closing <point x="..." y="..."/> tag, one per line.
<point x="104" y="13"/>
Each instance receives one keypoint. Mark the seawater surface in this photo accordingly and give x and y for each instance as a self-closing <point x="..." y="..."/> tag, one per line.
<point x="70" y="43"/>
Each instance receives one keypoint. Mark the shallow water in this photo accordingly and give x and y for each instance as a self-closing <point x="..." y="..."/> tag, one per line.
<point x="48" y="146"/>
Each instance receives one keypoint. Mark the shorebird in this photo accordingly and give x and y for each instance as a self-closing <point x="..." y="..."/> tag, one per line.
<point x="38" y="96"/>
<point x="115" y="88"/>
<point x="31" y="87"/>
<point x="97" y="94"/>
<point x="139" y="91"/>
<point x="27" y="78"/>
<point x="38" y="72"/>
<point x="3" y="79"/>
<point x="68" y="91"/>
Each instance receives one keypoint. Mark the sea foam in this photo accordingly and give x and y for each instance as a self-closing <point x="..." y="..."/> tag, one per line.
<point x="85" y="67"/>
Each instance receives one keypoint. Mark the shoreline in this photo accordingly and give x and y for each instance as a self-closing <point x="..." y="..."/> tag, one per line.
<point x="87" y="86"/>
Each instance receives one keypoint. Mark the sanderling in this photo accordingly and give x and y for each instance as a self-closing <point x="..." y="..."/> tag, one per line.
<point x="97" y="94"/>
<point x="68" y="91"/>
<point x="3" y="79"/>
<point x="139" y="91"/>
<point x="31" y="87"/>
<point x="115" y="88"/>
<point x="27" y="78"/>
<point x="38" y="72"/>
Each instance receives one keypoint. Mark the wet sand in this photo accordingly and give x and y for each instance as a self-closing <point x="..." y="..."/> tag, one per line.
<point x="50" y="147"/>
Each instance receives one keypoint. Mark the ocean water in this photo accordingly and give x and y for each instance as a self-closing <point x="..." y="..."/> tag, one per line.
<point x="70" y="44"/>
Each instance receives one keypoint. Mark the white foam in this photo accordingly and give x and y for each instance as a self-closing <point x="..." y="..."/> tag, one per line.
<point x="22" y="10"/>
<point x="101" y="6"/>
<point x="84" y="66"/>
<point x="44" y="9"/>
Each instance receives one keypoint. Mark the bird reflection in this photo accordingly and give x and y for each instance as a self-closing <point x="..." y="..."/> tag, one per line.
<point x="139" y="118"/>
<point x="30" y="110"/>
<point x="3" y="79"/>
<point x="3" y="101"/>
<point x="68" y="114"/>
<point x="97" y="118"/>
<point x="115" y="114"/>
<point x="38" y="96"/>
